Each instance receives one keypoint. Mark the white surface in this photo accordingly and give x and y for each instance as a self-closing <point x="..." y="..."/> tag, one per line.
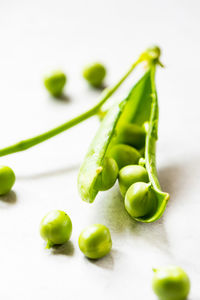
<point x="38" y="36"/>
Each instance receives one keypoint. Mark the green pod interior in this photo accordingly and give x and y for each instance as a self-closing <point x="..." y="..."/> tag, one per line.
<point x="139" y="107"/>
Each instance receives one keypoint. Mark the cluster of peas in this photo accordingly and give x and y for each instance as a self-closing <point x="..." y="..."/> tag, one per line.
<point x="123" y="161"/>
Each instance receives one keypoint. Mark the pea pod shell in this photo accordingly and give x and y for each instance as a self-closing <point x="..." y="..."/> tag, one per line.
<point x="141" y="106"/>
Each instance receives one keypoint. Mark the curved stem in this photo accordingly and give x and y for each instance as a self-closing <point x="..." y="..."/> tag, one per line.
<point x="28" y="143"/>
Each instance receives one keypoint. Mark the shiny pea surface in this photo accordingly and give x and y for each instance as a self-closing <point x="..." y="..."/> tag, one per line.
<point x="95" y="241"/>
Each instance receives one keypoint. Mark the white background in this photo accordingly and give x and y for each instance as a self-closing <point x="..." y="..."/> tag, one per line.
<point x="40" y="36"/>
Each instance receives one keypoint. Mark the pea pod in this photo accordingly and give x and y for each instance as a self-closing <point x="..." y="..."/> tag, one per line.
<point x="140" y="107"/>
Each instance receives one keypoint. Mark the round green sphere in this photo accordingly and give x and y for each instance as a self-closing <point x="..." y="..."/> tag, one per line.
<point x="129" y="175"/>
<point x="55" y="83"/>
<point x="7" y="179"/>
<point x="95" y="241"/>
<point x="108" y="174"/>
<point x="56" y="228"/>
<point x="139" y="200"/>
<point x="133" y="135"/>
<point x="171" y="283"/>
<point x="124" y="155"/>
<point x="94" y="74"/>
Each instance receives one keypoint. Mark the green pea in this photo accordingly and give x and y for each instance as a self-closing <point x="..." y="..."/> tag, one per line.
<point x="108" y="174"/>
<point x="94" y="74"/>
<point x="124" y="155"/>
<point x="7" y="179"/>
<point x="56" y="228"/>
<point x="55" y="83"/>
<point x="171" y="283"/>
<point x="133" y="135"/>
<point x="140" y="200"/>
<point x="95" y="241"/>
<point x="129" y="175"/>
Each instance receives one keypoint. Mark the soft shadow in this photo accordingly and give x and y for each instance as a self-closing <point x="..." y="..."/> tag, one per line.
<point x="10" y="198"/>
<point x="113" y="214"/>
<point x="65" y="249"/>
<point x="171" y="178"/>
<point x="62" y="98"/>
<point x="175" y="176"/>
<point x="50" y="173"/>
<point x="99" y="88"/>
<point x="106" y="262"/>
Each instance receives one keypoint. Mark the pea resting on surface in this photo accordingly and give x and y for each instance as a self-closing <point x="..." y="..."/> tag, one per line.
<point x="140" y="200"/>
<point x="56" y="228"/>
<point x="94" y="74"/>
<point x="171" y="283"/>
<point x="95" y="241"/>
<point x="7" y="179"/>
<point x="133" y="135"/>
<point x="124" y="155"/>
<point x="55" y="83"/>
<point x="129" y="175"/>
<point x="108" y="174"/>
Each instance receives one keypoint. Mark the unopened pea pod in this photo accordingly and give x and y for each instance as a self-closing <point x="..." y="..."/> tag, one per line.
<point x="140" y="107"/>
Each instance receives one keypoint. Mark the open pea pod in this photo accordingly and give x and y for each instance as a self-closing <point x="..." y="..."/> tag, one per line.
<point x="140" y="107"/>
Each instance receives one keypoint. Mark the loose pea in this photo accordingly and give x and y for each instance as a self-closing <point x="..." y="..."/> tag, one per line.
<point x="7" y="179"/>
<point x="56" y="228"/>
<point x="55" y="83"/>
<point x="124" y="155"/>
<point x="133" y="135"/>
<point x="129" y="175"/>
<point x="94" y="74"/>
<point x="95" y="241"/>
<point x="139" y="200"/>
<point x="108" y="174"/>
<point x="171" y="283"/>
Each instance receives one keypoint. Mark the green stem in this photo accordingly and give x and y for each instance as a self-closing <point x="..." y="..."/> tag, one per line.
<point x="28" y="143"/>
<point x="149" y="56"/>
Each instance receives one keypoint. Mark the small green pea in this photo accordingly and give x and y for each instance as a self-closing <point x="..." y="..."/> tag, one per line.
<point x="55" y="83"/>
<point x="108" y="174"/>
<point x="171" y="283"/>
<point x="140" y="200"/>
<point x="95" y="241"/>
<point x="133" y="135"/>
<point x="129" y="175"/>
<point x="7" y="179"/>
<point x="94" y="74"/>
<point x="124" y="155"/>
<point x="56" y="228"/>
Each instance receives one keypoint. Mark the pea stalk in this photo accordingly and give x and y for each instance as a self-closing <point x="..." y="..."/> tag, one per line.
<point x="150" y="55"/>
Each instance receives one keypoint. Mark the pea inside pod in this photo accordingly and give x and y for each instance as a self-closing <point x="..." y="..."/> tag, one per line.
<point x="108" y="174"/>
<point x="124" y="155"/>
<point x="133" y="135"/>
<point x="140" y="200"/>
<point x="129" y="175"/>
